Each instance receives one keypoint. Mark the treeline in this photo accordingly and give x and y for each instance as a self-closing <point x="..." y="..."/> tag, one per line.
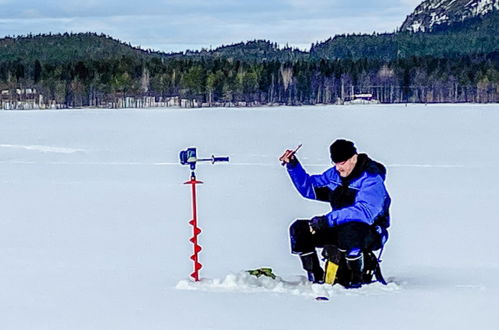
<point x="474" y="35"/>
<point x="457" y="64"/>
<point x="215" y="81"/>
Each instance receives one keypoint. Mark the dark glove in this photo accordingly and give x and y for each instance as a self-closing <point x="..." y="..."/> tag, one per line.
<point x="319" y="223"/>
<point x="293" y="161"/>
<point x="288" y="158"/>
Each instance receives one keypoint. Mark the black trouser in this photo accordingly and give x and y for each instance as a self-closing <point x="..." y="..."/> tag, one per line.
<point x="348" y="236"/>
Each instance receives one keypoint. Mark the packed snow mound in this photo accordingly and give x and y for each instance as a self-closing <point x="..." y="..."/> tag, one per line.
<point x="300" y="286"/>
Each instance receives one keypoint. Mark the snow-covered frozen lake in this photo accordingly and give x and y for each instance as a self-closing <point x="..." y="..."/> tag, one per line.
<point x="94" y="212"/>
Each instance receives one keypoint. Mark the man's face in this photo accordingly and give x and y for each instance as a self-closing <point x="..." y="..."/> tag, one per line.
<point x="346" y="167"/>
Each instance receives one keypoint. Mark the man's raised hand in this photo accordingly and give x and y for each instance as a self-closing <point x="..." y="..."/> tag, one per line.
<point x="288" y="156"/>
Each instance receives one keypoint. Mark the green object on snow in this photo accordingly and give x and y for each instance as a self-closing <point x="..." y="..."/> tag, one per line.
<point x="265" y="271"/>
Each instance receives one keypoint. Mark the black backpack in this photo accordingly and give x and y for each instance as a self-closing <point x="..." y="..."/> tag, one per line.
<point x="337" y="270"/>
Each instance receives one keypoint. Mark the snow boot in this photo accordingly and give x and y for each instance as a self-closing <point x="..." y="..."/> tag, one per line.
<point x="355" y="263"/>
<point x="311" y="264"/>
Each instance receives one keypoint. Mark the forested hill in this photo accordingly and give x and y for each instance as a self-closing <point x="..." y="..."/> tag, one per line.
<point x="472" y="36"/>
<point x="477" y="35"/>
<point x="253" y="51"/>
<point x="67" y="47"/>
<point x="70" y="47"/>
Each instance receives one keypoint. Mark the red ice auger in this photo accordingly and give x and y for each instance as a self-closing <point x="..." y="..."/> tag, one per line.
<point x="188" y="157"/>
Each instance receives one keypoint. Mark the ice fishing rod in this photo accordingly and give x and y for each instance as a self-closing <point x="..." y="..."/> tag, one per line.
<point x="189" y="157"/>
<point x="288" y="154"/>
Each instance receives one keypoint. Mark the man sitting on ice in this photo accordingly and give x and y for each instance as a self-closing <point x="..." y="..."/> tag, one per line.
<point x="359" y="219"/>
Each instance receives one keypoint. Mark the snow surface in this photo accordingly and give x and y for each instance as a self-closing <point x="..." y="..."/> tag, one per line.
<point x="94" y="233"/>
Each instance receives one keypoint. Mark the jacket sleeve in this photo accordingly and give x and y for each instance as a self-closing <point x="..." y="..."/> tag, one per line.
<point x="368" y="204"/>
<point x="305" y="183"/>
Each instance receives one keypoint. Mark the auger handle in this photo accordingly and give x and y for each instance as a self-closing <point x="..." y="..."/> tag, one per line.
<point x="213" y="159"/>
<point x="219" y="159"/>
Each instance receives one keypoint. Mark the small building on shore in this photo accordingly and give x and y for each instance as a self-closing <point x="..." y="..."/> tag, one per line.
<point x="364" y="98"/>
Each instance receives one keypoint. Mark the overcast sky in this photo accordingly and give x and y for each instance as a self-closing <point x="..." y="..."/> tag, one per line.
<point x="175" y="25"/>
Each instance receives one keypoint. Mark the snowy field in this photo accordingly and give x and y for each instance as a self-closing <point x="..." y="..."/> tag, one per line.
<point x="94" y="233"/>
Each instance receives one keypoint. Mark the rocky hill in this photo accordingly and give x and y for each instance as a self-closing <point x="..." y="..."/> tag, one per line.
<point x="432" y="14"/>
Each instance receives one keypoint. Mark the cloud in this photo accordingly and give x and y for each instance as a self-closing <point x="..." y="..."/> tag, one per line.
<point x="174" y="25"/>
<point x="412" y="3"/>
<point x="181" y="33"/>
<point x="93" y="8"/>
<point x="307" y="4"/>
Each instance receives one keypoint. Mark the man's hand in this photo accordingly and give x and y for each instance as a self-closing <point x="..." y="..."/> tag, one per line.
<point x="289" y="156"/>
<point x="319" y="223"/>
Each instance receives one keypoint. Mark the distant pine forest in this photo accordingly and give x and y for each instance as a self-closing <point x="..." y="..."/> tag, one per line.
<point x="458" y="64"/>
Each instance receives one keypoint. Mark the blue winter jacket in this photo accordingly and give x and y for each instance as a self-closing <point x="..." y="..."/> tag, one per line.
<point x="361" y="197"/>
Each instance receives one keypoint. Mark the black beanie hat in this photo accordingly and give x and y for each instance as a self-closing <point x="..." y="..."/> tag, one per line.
<point x="342" y="150"/>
